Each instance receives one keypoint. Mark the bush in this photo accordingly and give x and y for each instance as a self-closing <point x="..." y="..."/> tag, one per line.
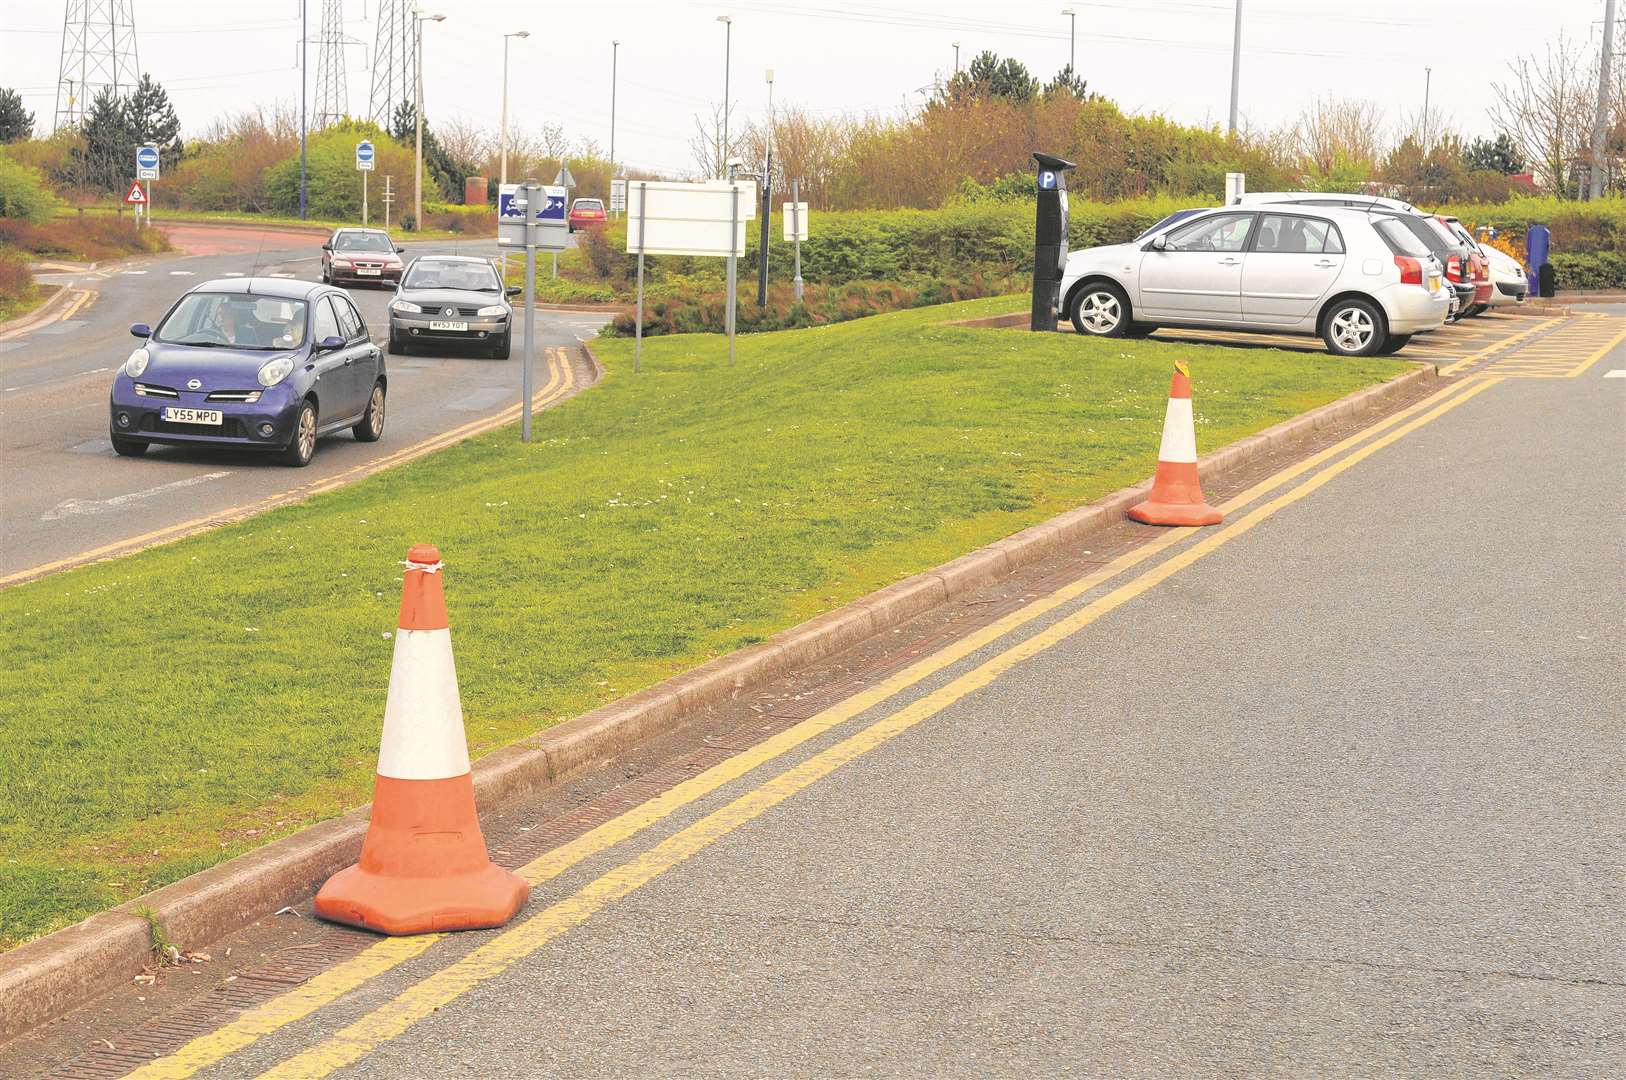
<point x="332" y="184"/>
<point x="86" y="237"/>
<point x="16" y="283"/>
<point x="23" y="192"/>
<point x="1577" y="228"/>
<point x="1603" y="270"/>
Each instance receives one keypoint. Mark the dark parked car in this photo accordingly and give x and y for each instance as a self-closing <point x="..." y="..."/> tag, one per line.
<point x="256" y="363"/>
<point x="361" y="256"/>
<point x="1455" y="257"/>
<point x="454" y="300"/>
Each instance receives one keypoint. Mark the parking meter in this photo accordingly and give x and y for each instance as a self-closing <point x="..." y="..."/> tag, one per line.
<point x="1049" y="239"/>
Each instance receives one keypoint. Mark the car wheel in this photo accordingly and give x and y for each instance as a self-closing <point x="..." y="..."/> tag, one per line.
<point x="128" y="447"/>
<point x="371" y="424"/>
<point x="1354" y="328"/>
<point x="1475" y="311"/>
<point x="1100" y="310"/>
<point x="501" y="350"/>
<point x="396" y="345"/>
<point x="302" y="447"/>
<point x="1394" y="343"/>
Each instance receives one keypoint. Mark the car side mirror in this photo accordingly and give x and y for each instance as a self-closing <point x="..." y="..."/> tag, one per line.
<point x="513" y="290"/>
<point x="331" y="342"/>
<point x="141" y="330"/>
<point x="1159" y="243"/>
<point x="327" y="247"/>
<point x="399" y="250"/>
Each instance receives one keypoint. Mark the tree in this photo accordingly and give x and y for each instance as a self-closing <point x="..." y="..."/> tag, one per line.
<point x="1545" y="111"/>
<point x="16" y="122"/>
<point x="989" y="76"/>
<point x="1493" y="155"/>
<point x="107" y="157"/>
<point x="1340" y="142"/>
<point x="706" y="148"/>
<point x="1069" y="80"/>
<point x="151" y="118"/>
<point x="441" y="169"/>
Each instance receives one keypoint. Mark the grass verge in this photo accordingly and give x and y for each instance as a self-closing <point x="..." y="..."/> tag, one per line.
<point x="162" y="712"/>
<point x="179" y="215"/>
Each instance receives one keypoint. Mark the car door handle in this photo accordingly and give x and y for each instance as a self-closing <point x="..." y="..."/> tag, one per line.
<point x="1326" y="262"/>
<point x="1229" y="262"/>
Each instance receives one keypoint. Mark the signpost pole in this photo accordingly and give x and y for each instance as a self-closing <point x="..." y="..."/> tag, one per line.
<point x="796" y="231"/>
<point x="364" y="196"/>
<point x="532" y="191"/>
<point x="733" y="231"/>
<point x="638" y="348"/>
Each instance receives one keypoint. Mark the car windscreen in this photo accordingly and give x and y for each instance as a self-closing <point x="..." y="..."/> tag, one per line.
<point x="1178" y="215"/>
<point x="234" y="320"/>
<point x="475" y="277"/>
<point x="362" y="241"/>
<point x="589" y="204"/>
<point x="1401" y="240"/>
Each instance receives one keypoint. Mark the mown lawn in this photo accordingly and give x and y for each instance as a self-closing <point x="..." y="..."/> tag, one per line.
<point x="164" y="711"/>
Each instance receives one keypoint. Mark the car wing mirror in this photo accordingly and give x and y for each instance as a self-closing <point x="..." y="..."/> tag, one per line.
<point x="399" y="250"/>
<point x="141" y="330"/>
<point x="331" y="342"/>
<point x="512" y="290"/>
<point x="327" y="247"/>
<point x="1159" y="243"/>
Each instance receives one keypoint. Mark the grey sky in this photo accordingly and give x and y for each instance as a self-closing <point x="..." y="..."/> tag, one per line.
<point x="833" y="56"/>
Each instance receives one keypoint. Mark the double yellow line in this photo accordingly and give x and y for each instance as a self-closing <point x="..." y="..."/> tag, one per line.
<point x="504" y="949"/>
<point x="561" y="381"/>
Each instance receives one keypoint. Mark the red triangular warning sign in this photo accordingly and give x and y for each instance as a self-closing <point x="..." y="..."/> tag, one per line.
<point x="136" y="194"/>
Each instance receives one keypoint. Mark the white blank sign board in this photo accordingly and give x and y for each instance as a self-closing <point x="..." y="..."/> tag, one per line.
<point x="795" y="220"/>
<point x="688" y="219"/>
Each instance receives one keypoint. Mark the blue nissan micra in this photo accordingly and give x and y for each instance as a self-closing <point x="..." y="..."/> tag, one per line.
<point x="255" y="363"/>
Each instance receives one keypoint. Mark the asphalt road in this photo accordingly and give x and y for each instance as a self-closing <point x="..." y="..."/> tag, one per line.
<point x="1342" y="797"/>
<point x="64" y="492"/>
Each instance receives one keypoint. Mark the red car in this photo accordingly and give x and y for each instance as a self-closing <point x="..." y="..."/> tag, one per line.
<point x="361" y="255"/>
<point x="587" y="214"/>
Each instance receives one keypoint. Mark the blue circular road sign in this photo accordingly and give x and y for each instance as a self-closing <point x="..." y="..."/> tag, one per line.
<point x="364" y="151"/>
<point x="147" y="157"/>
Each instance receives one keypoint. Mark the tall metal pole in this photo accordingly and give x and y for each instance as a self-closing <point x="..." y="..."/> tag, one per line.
<point x="533" y="191"/>
<point x="417" y="135"/>
<point x="728" y="45"/>
<point x="733" y="288"/>
<point x="1602" y="119"/>
<point x="615" y="56"/>
<point x="1236" y="64"/>
<point x="767" y="204"/>
<point x="303" y="46"/>
<point x="796" y="231"/>
<point x="1428" y="86"/>
<point x="956" y="58"/>
<point x="1072" y="36"/>
<point x="638" y="348"/>
<point x="505" y="37"/>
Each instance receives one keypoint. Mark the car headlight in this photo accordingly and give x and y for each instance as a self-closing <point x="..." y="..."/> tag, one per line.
<point x="495" y="309"/>
<point x="276" y="370"/>
<point x="406" y="307"/>
<point x="137" y="363"/>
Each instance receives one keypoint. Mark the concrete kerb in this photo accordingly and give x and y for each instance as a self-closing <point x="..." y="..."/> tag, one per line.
<point x="44" y="314"/>
<point x="46" y="977"/>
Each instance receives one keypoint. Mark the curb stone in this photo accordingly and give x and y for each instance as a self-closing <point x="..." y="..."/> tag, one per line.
<point x="46" y="977"/>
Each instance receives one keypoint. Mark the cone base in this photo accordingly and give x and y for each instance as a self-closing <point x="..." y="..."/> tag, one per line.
<point x="1178" y="514"/>
<point x="477" y="900"/>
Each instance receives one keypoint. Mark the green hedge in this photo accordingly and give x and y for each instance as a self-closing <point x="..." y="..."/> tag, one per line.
<point x="694" y="310"/>
<point x="1578" y="228"/>
<point x="1598" y="270"/>
<point x="24" y="194"/>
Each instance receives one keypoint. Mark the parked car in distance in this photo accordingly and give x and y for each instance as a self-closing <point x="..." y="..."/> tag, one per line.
<point x="361" y="256"/>
<point x="252" y="363"/>
<point x="456" y="300"/>
<point x="1454" y="256"/>
<point x="1330" y="272"/>
<point x="1485" y="291"/>
<point x="1328" y="200"/>
<point x="587" y="214"/>
<point x="1511" y="283"/>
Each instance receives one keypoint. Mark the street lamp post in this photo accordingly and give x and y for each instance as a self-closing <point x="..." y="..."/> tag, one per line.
<point x="1236" y="64"/>
<point x="1428" y="84"/>
<point x="304" y="36"/>
<point x="417" y="118"/>
<point x="516" y="34"/>
<point x="1072" y="35"/>
<point x="615" y="56"/>
<point x="956" y="58"/>
<point x="728" y="44"/>
<point x="767" y="202"/>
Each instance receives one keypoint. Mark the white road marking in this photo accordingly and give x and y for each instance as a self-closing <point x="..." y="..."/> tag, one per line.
<point x="132" y="271"/>
<point x="9" y="389"/>
<point x="1618" y="373"/>
<point x="182" y="273"/>
<point x="235" y="273"/>
<point x="282" y="275"/>
<point x="102" y="506"/>
<point x="94" y="371"/>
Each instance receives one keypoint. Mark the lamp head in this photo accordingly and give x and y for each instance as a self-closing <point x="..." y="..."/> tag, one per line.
<point x="725" y="19"/>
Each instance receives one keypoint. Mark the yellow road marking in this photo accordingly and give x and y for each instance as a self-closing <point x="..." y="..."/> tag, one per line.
<point x="560" y="373"/>
<point x="500" y="953"/>
<point x="1599" y="355"/>
<point x="1505" y="343"/>
<point x="207" y="1049"/>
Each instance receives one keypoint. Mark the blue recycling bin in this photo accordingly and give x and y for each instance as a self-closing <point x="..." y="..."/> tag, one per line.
<point x="1537" y="247"/>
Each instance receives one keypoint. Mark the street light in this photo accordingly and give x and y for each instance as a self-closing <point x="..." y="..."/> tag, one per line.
<point x="956" y="58"/>
<point x="1072" y="28"/>
<point x="417" y="111"/>
<point x="1236" y="65"/>
<point x="728" y="43"/>
<point x="505" y="37"/>
<point x="615" y="56"/>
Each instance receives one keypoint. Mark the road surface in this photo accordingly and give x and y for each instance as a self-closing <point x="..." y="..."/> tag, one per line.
<point x="68" y="494"/>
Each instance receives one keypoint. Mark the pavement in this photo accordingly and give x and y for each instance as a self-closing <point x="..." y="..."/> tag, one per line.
<point x="67" y="495"/>
<point x="1332" y="789"/>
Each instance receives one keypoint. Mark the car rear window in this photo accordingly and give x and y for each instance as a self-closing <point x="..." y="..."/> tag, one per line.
<point x="589" y="204"/>
<point x="1401" y="240"/>
<point x="1291" y="234"/>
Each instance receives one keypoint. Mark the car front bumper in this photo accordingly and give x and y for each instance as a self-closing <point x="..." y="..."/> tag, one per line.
<point x="1509" y="292"/>
<point x="136" y="416"/>
<point x="481" y="330"/>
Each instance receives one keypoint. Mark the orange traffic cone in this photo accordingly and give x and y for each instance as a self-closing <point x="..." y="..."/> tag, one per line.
<point x="423" y="865"/>
<point x="1176" y="497"/>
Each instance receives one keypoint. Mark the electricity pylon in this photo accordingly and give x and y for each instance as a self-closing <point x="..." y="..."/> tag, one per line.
<point x="332" y="94"/>
<point x="395" y="60"/>
<point x="98" y="50"/>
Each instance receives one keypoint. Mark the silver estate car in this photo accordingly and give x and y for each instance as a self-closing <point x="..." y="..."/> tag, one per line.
<point x="1356" y="280"/>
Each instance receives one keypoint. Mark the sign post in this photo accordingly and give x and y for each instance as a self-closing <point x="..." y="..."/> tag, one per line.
<point x="733" y="224"/>
<point x="531" y="215"/>
<point x="795" y="215"/>
<point x="618" y="196"/>
<point x="364" y="165"/>
<point x="137" y="198"/>
<point x="389" y="197"/>
<point x="643" y="205"/>
<point x="147" y="168"/>
<point x="529" y="193"/>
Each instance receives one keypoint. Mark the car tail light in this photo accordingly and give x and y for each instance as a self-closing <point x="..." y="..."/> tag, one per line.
<point x="1411" y="271"/>
<point x="1453" y="267"/>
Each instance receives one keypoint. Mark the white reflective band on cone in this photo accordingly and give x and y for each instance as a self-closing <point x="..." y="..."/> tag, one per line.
<point x="423" y="720"/>
<point x="1179" y="433"/>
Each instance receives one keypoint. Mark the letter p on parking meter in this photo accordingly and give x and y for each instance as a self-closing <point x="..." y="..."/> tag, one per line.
<point x="1049" y="239"/>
